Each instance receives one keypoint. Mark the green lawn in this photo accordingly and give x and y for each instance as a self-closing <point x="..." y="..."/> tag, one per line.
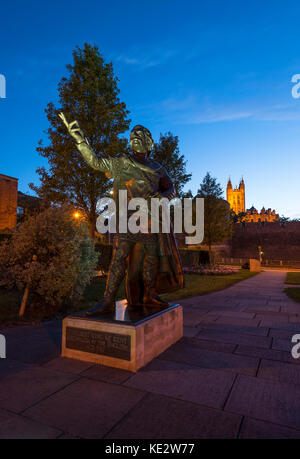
<point x="195" y="284"/>
<point x="293" y="293"/>
<point x="293" y="278"/>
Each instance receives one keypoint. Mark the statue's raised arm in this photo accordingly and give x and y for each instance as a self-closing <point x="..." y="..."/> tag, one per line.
<point x="82" y="144"/>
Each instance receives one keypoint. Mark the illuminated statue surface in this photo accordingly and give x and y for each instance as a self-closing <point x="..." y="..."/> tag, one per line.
<point x="150" y="261"/>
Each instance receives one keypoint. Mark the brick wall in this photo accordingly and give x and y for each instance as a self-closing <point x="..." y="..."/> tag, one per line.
<point x="277" y="242"/>
<point x="8" y="201"/>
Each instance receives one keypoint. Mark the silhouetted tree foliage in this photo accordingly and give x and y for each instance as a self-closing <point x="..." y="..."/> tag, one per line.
<point x="50" y="253"/>
<point x="89" y="94"/>
<point x="217" y="221"/>
<point x="238" y="218"/>
<point x="166" y="152"/>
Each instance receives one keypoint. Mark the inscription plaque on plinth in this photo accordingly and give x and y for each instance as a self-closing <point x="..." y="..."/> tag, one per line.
<point x="98" y="342"/>
<point x="128" y="340"/>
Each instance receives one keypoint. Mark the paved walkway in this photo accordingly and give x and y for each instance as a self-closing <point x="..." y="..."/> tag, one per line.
<point x="231" y="376"/>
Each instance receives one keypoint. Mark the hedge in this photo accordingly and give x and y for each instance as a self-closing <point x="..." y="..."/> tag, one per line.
<point x="188" y="257"/>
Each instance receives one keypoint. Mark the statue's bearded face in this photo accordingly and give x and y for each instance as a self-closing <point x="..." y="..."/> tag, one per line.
<point x="141" y="140"/>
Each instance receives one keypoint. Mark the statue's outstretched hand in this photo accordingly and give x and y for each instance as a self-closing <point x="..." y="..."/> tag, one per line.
<point x="73" y="129"/>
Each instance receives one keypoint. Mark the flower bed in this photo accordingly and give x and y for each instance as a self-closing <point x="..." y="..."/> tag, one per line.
<point x="218" y="270"/>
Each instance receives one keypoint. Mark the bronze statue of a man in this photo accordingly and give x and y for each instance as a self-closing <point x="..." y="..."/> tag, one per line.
<point x="150" y="261"/>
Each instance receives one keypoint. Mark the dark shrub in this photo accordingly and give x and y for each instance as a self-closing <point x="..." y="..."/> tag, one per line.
<point x="194" y="257"/>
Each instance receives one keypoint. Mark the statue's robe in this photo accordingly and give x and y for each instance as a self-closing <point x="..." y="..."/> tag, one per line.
<point x="170" y="274"/>
<point x="141" y="177"/>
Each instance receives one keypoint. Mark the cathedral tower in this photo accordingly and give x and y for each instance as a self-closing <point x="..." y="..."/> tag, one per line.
<point x="236" y="197"/>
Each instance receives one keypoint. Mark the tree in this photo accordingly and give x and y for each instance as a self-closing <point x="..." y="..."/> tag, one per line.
<point x="217" y="221"/>
<point x="238" y="218"/>
<point x="51" y="255"/>
<point x="187" y="194"/>
<point x="89" y="94"/>
<point x="284" y="220"/>
<point x="210" y="188"/>
<point x="166" y="152"/>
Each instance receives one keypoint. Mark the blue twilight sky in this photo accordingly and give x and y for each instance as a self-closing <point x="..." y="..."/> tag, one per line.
<point x="217" y="74"/>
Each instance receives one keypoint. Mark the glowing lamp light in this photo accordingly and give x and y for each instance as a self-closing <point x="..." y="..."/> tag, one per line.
<point x="76" y="215"/>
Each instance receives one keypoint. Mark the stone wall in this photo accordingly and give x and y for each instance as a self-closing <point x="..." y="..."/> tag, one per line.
<point x="8" y="201"/>
<point x="277" y="242"/>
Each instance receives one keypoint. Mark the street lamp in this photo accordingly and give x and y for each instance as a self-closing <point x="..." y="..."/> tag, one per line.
<point x="260" y="253"/>
<point x="76" y="215"/>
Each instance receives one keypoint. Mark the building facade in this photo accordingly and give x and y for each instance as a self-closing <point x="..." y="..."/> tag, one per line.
<point x="252" y="215"/>
<point x="236" y="199"/>
<point x="8" y="202"/>
<point x="14" y="205"/>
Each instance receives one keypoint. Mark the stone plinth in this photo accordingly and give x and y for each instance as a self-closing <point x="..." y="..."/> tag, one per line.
<point x="129" y="340"/>
<point x="254" y="265"/>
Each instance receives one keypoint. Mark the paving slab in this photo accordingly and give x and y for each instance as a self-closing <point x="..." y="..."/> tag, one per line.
<point x="279" y="371"/>
<point x="192" y="318"/>
<point x="21" y="388"/>
<point x="239" y="322"/>
<point x="86" y="408"/>
<point x="34" y="349"/>
<point x="9" y="366"/>
<point x="49" y="328"/>
<point x="235" y="338"/>
<point x="190" y="331"/>
<point x="14" y="426"/>
<point x="282" y="344"/>
<point x="185" y="382"/>
<point x="234" y="326"/>
<point x="107" y="374"/>
<point x="269" y="354"/>
<point x="281" y="325"/>
<point x="204" y="358"/>
<point x="209" y="345"/>
<point x="255" y="429"/>
<point x="266" y="400"/>
<point x="295" y="320"/>
<point x="159" y="417"/>
<point x="235" y="314"/>
<point x="208" y="319"/>
<point x="66" y="365"/>
<point x="282" y="334"/>
<point x="259" y="308"/>
<point x="67" y="436"/>
<point x="290" y="309"/>
<point x="273" y="321"/>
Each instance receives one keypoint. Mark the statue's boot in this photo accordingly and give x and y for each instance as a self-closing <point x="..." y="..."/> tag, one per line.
<point x="150" y="297"/>
<point x="114" y="279"/>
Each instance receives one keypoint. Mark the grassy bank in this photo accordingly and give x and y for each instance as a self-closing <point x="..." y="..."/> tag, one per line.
<point x="195" y="284"/>
<point x="293" y="278"/>
<point x="293" y="293"/>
